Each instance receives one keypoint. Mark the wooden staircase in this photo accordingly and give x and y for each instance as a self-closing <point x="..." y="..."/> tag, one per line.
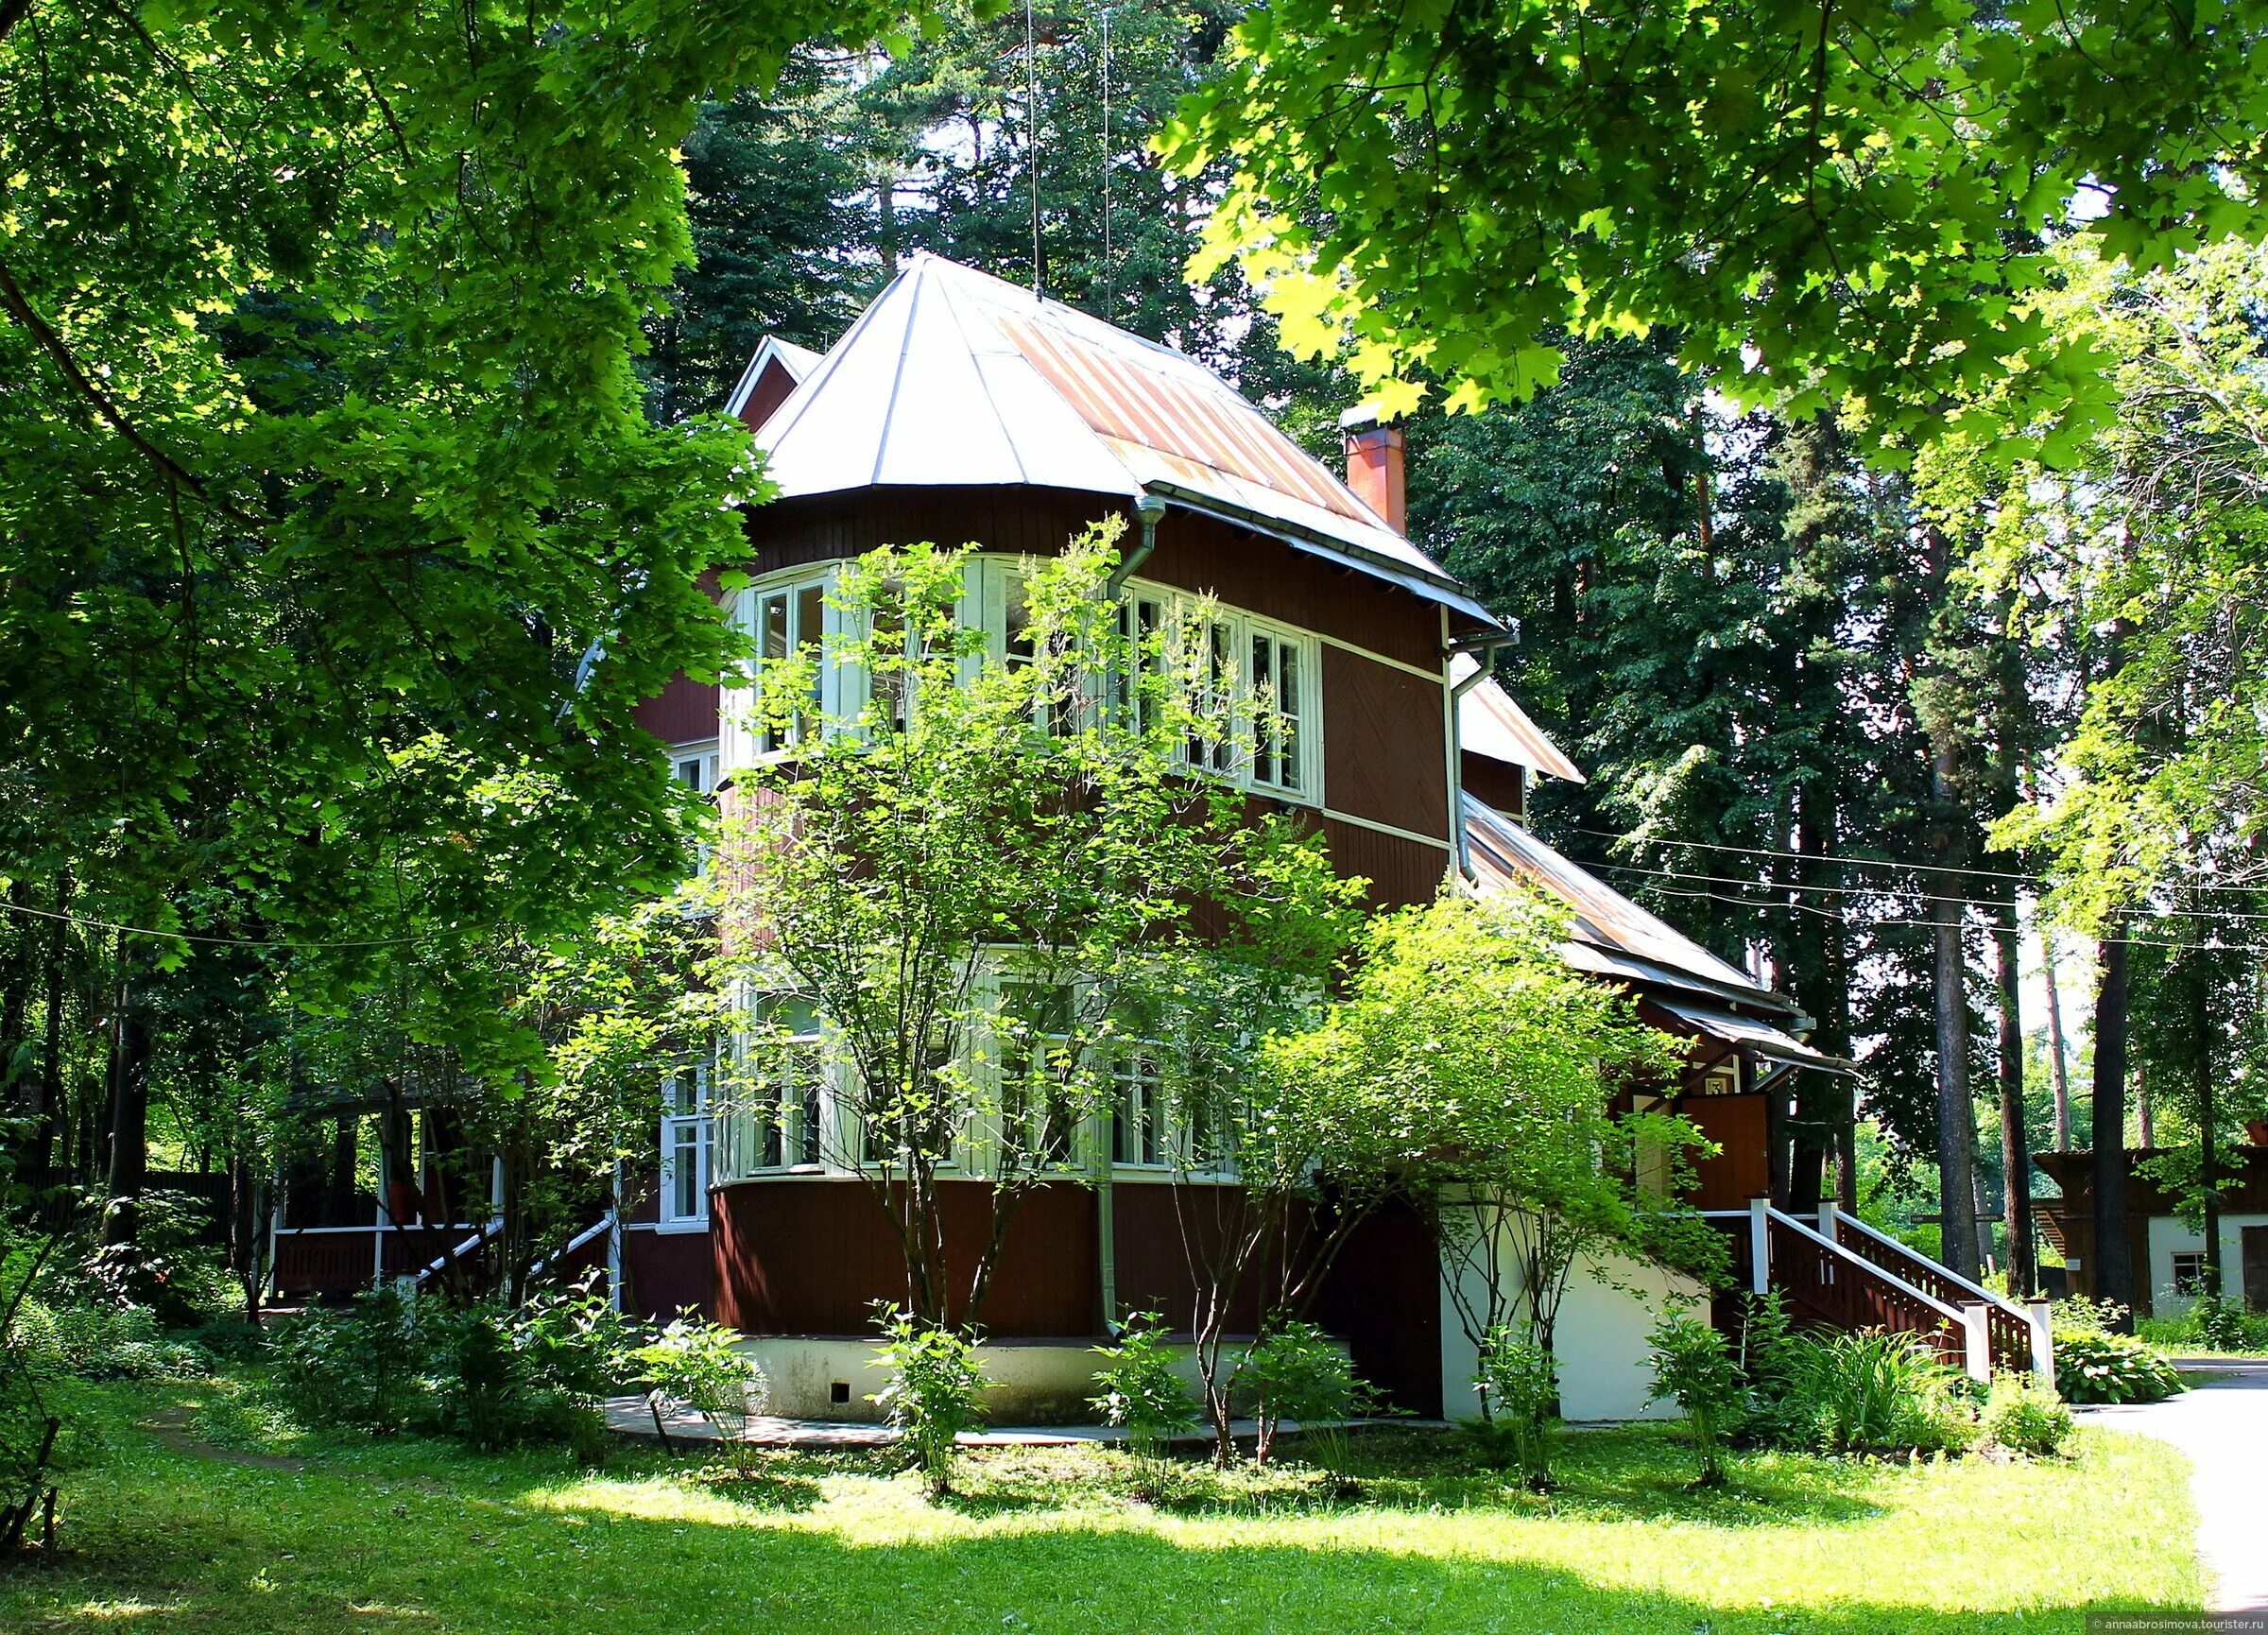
<point x="1836" y="1271"/>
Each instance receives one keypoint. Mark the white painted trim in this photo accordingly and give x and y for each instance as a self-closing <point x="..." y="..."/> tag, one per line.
<point x="1372" y="824"/>
<point x="1404" y="664"/>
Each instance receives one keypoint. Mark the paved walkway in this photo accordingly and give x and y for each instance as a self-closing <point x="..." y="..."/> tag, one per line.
<point x="629" y="1416"/>
<point x="2222" y="1423"/>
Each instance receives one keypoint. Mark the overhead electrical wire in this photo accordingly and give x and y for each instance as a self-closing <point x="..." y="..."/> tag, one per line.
<point x="1840" y="861"/>
<point x="93" y="924"/>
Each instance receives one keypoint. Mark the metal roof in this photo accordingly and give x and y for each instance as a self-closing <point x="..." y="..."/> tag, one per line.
<point x="1609" y="934"/>
<point x="953" y="377"/>
<point x="1767" y="1041"/>
<point x="1490" y="724"/>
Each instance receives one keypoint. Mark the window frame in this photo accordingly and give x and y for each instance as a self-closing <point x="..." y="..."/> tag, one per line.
<point x="790" y="588"/>
<point x="678" y="1121"/>
<point x="2187" y="1284"/>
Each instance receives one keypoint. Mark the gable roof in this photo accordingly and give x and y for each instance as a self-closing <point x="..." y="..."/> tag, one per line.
<point x="1490" y="724"/>
<point x="794" y="362"/>
<point x="953" y="377"/>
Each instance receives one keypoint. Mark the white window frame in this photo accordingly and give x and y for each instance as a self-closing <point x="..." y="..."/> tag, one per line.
<point x="699" y="757"/>
<point x="790" y="589"/>
<point x="685" y="1128"/>
<point x="798" y="1113"/>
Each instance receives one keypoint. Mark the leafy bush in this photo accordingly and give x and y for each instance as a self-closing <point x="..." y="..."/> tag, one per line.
<point x="1141" y="1393"/>
<point x="2212" y="1325"/>
<point x="2095" y="1366"/>
<point x="1694" y="1368"/>
<point x="2024" y="1417"/>
<point x="93" y="1340"/>
<point x="699" y="1363"/>
<point x="495" y="1376"/>
<point x="1878" y="1393"/>
<point x="1299" y="1373"/>
<point x="935" y="1391"/>
<point x="366" y="1367"/>
<point x="1519" y="1385"/>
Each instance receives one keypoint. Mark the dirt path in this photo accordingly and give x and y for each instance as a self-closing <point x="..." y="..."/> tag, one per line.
<point x="170" y="1426"/>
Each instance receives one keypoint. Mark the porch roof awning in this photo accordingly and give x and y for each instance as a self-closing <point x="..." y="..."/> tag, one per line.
<point x="1765" y="1039"/>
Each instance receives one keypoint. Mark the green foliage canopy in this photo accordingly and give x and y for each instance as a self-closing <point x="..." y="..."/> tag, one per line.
<point x="1827" y="203"/>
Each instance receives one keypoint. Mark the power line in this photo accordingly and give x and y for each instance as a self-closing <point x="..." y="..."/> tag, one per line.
<point x="1845" y="861"/>
<point x="1721" y="898"/>
<point x="93" y="924"/>
<point x="1778" y="886"/>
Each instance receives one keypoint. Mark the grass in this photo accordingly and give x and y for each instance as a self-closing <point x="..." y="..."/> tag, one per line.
<point x="164" y="1530"/>
<point x="2177" y="1337"/>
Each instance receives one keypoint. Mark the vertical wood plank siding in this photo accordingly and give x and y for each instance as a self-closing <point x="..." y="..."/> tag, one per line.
<point x="1384" y="749"/>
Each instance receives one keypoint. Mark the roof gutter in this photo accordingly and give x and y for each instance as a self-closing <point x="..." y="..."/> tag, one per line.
<point x="1486" y="645"/>
<point x="1432" y="588"/>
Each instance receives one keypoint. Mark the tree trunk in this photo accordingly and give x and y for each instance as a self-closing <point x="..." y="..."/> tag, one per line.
<point x="2016" y="1142"/>
<point x="1956" y="1114"/>
<point x="130" y="1045"/>
<point x="2208" y="1154"/>
<point x="2145" y="1116"/>
<point x="2058" y="1070"/>
<point x="2113" y="1252"/>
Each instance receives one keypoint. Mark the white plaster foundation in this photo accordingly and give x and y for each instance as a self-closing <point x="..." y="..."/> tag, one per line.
<point x="1027" y="1382"/>
<point x="1606" y="1365"/>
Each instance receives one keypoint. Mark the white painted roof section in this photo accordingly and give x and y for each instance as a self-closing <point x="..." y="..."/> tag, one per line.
<point x="953" y="377"/>
<point x="798" y="361"/>
<point x="1489" y="723"/>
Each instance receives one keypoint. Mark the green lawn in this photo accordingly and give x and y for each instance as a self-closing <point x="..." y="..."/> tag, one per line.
<point x="165" y="1532"/>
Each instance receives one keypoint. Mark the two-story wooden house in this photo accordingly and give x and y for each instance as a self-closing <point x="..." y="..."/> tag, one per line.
<point x="961" y="409"/>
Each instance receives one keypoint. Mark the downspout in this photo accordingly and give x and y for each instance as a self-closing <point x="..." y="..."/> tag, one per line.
<point x="1106" y="1221"/>
<point x="1148" y="511"/>
<point x="1485" y="648"/>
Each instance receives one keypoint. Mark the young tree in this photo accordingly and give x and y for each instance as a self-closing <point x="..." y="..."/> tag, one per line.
<point x="979" y="885"/>
<point x="1468" y="1066"/>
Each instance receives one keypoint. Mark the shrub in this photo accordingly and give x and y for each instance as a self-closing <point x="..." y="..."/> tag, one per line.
<point x="2024" y="1417"/>
<point x="2213" y="1325"/>
<point x="367" y="1367"/>
<point x="495" y="1376"/>
<point x="1878" y="1393"/>
<point x="1299" y="1373"/>
<point x="1694" y="1368"/>
<point x="701" y="1364"/>
<point x="94" y="1340"/>
<point x="934" y="1394"/>
<point x="2092" y="1365"/>
<point x="1519" y="1385"/>
<point x="1141" y="1394"/>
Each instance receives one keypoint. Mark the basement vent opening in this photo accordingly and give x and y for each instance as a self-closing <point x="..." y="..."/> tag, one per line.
<point x="838" y="1391"/>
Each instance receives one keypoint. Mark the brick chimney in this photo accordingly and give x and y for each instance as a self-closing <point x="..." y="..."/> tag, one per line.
<point x="1374" y="465"/>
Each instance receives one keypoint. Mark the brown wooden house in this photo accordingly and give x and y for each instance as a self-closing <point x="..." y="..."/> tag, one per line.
<point x="962" y="410"/>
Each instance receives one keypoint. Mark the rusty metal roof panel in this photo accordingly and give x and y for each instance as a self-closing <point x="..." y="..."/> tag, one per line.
<point x="1607" y="928"/>
<point x="954" y="377"/>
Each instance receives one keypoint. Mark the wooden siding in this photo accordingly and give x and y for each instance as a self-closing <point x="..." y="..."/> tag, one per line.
<point x="1244" y="569"/>
<point x="1400" y="871"/>
<point x="684" y="712"/>
<point x="1501" y="786"/>
<point x="1384" y="745"/>
<point x="665" y="1273"/>
<point x="811" y="1255"/>
<point x="1166" y="1231"/>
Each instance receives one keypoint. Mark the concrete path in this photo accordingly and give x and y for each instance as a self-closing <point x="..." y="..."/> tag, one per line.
<point x="629" y="1416"/>
<point x="2222" y="1423"/>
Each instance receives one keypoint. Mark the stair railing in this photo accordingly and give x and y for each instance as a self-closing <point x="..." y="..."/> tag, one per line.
<point x="2017" y="1337"/>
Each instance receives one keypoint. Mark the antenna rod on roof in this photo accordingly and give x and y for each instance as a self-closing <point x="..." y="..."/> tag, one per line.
<point x="1031" y="118"/>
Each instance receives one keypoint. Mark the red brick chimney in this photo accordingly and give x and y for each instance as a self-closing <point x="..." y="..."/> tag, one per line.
<point x="1374" y="466"/>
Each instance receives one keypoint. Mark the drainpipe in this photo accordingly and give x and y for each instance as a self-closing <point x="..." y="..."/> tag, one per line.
<point x="1485" y="648"/>
<point x="1148" y="510"/>
<point x="1106" y="1221"/>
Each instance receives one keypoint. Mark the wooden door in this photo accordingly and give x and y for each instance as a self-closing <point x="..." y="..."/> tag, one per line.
<point x="2256" y="1267"/>
<point x="1742" y="1167"/>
